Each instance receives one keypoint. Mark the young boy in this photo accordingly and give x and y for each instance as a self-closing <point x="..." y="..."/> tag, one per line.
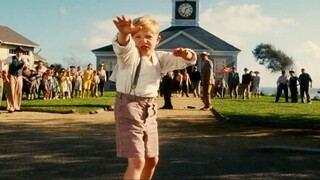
<point x="137" y="82"/>
<point x="94" y="84"/>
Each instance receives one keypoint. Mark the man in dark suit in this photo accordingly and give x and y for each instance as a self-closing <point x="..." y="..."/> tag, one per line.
<point x="233" y="82"/>
<point x="167" y="84"/>
<point x="305" y="82"/>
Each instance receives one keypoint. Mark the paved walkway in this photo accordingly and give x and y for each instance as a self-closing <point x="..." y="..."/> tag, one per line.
<point x="193" y="145"/>
<point x="182" y="106"/>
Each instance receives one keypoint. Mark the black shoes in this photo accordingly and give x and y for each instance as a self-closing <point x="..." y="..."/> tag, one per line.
<point x="166" y="107"/>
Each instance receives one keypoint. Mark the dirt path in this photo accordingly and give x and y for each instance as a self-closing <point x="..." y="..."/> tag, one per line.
<point x="193" y="144"/>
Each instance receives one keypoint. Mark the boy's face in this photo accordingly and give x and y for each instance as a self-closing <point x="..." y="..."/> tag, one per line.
<point x="146" y="41"/>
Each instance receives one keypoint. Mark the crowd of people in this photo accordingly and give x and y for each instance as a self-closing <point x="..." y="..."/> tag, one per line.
<point x="185" y="82"/>
<point x="249" y="86"/>
<point x="43" y="82"/>
<point x="245" y="86"/>
<point x="73" y="82"/>
<point x="290" y="84"/>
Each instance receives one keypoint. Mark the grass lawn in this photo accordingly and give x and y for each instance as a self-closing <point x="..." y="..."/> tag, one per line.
<point x="264" y="111"/>
<point x="257" y="111"/>
<point x="66" y="105"/>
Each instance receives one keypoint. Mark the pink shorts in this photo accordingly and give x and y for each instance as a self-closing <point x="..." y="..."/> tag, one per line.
<point x="136" y="126"/>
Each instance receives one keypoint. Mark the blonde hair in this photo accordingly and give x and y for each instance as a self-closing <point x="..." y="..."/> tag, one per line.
<point x="147" y="23"/>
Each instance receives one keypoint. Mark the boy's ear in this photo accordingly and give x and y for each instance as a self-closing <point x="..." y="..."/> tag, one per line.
<point x="158" y="39"/>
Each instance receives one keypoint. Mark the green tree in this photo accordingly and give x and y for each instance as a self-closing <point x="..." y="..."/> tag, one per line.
<point x="274" y="59"/>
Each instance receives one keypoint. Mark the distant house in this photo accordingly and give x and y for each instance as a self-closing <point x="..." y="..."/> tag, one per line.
<point x="10" y="39"/>
<point x="184" y="32"/>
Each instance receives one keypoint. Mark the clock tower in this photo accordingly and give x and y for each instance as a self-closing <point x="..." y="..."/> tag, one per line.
<point x="185" y="12"/>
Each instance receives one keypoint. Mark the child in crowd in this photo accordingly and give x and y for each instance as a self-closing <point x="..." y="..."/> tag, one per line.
<point x="63" y="84"/>
<point x="87" y="76"/>
<point x="78" y="84"/>
<point x="95" y="84"/>
<point x="137" y="81"/>
<point x="45" y="86"/>
<point x="26" y="83"/>
<point x="50" y="83"/>
<point x="56" y="87"/>
<point x="69" y="84"/>
<point x="34" y="81"/>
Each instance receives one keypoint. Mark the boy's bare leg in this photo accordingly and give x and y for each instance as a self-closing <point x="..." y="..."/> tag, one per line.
<point x="134" y="169"/>
<point x="141" y="168"/>
<point x="149" y="167"/>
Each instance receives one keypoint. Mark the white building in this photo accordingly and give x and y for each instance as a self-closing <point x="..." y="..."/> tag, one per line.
<point x="184" y="32"/>
<point x="10" y="39"/>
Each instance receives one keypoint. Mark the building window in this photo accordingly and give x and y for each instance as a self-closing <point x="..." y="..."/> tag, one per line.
<point x="13" y="51"/>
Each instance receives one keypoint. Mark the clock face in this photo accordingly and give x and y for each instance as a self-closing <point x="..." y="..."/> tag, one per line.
<point x="185" y="10"/>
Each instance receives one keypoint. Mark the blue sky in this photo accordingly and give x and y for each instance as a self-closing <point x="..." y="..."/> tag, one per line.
<point x="70" y="29"/>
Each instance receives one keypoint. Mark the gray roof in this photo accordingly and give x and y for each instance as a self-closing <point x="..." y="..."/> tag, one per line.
<point x="37" y="57"/>
<point x="9" y="36"/>
<point x="198" y="33"/>
<point x="104" y="48"/>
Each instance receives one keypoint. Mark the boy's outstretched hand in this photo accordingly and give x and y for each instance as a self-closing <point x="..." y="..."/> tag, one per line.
<point x="184" y="53"/>
<point x="125" y="27"/>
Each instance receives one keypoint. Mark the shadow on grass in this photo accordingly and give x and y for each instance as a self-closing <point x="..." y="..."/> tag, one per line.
<point x="65" y="108"/>
<point x="204" y="148"/>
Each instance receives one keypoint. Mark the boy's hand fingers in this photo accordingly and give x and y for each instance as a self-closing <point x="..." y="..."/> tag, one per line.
<point x="136" y="29"/>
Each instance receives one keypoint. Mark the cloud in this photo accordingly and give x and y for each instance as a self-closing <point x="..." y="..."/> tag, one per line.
<point x="63" y="11"/>
<point x="289" y="21"/>
<point x="310" y="48"/>
<point x="234" y="22"/>
<point x="104" y="31"/>
<point x="308" y="55"/>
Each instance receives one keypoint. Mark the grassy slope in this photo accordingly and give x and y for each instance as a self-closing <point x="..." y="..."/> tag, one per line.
<point x="264" y="110"/>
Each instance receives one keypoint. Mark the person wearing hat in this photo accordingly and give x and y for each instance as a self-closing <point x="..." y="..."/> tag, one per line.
<point x="41" y="66"/>
<point x="256" y="84"/>
<point x="305" y="81"/>
<point x="73" y="73"/>
<point x="2" y="74"/>
<point x="195" y="78"/>
<point x="282" y="84"/>
<point x="233" y="82"/>
<point x="207" y="80"/>
<point x="14" y="79"/>
<point x="41" y="69"/>
<point x="244" y="88"/>
<point x="293" y="83"/>
<point x="103" y="78"/>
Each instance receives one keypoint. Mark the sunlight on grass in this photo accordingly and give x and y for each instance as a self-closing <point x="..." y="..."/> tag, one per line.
<point x="67" y="105"/>
<point x="259" y="111"/>
<point x="264" y="110"/>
